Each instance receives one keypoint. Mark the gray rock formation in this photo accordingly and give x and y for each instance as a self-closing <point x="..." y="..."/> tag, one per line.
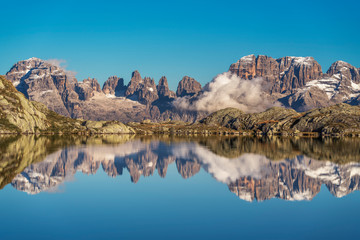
<point x="188" y="87"/>
<point x="300" y="71"/>
<point x="87" y="88"/>
<point x="134" y="84"/>
<point x="298" y="82"/>
<point x="142" y="90"/>
<point x="43" y="82"/>
<point x="281" y="75"/>
<point x="163" y="89"/>
<point x="114" y="86"/>
<point x="147" y="93"/>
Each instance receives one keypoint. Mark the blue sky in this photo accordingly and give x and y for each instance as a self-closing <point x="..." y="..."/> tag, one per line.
<point x="175" y="38"/>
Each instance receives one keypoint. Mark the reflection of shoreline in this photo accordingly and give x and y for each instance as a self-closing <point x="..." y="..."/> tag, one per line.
<point x="251" y="175"/>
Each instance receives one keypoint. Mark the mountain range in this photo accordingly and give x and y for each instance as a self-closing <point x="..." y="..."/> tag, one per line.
<point x="293" y="82"/>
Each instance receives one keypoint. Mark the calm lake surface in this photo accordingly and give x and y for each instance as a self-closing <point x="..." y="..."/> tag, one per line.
<point x="123" y="187"/>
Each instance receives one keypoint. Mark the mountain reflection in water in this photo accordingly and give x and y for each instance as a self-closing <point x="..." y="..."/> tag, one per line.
<point x="252" y="168"/>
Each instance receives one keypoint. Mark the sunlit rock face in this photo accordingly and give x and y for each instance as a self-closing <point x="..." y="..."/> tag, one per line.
<point x="114" y="86"/>
<point x="299" y="83"/>
<point x="253" y="169"/>
<point x="45" y="82"/>
<point x="188" y="87"/>
<point x="282" y="74"/>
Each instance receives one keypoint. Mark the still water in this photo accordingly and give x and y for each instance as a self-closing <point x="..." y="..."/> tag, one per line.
<point x="123" y="187"/>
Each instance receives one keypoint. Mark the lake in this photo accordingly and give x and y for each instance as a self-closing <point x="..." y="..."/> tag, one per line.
<point x="166" y="187"/>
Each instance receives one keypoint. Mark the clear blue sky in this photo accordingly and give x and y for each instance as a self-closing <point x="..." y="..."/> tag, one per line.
<point x="175" y="38"/>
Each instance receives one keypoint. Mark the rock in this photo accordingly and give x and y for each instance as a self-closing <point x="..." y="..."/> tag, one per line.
<point x="188" y="87"/>
<point x="134" y="84"/>
<point x="19" y="115"/>
<point x="344" y="70"/>
<point x="142" y="90"/>
<point x="163" y="89"/>
<point x="114" y="86"/>
<point x="147" y="92"/>
<point x="250" y="67"/>
<point x="87" y="88"/>
<point x="43" y="82"/>
<point x="300" y="71"/>
<point x="341" y="118"/>
<point x="280" y="75"/>
<point x="155" y="112"/>
<point x="305" y="100"/>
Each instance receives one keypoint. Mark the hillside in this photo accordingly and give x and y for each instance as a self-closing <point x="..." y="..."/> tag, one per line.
<point x="338" y="120"/>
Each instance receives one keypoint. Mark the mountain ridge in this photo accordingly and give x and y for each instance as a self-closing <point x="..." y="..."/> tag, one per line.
<point x="294" y="82"/>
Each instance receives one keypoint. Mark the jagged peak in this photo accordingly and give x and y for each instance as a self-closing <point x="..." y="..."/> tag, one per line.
<point x="302" y="60"/>
<point x="33" y="59"/>
<point x="341" y="63"/>
<point x="163" y="81"/>
<point x="135" y="73"/>
<point x="340" y="66"/>
<point x="247" y="59"/>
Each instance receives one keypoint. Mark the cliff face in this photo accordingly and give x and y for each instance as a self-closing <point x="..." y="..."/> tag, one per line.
<point x="43" y="82"/>
<point x="114" y="86"/>
<point x="87" y="88"/>
<point x="283" y="74"/>
<point x="299" y="83"/>
<point x="163" y="89"/>
<point x="188" y="87"/>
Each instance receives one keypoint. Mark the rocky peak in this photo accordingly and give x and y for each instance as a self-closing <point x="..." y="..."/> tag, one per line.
<point x="244" y="67"/>
<point x="188" y="87"/>
<point x="147" y="92"/>
<point x="163" y="89"/>
<point x="298" y="72"/>
<point x="45" y="82"/>
<point x="249" y="67"/>
<point x="22" y="68"/>
<point x="87" y="88"/>
<point x="134" y="84"/>
<point x="92" y="83"/>
<point x="343" y="70"/>
<point x="281" y="74"/>
<point x="114" y="86"/>
<point x="142" y="90"/>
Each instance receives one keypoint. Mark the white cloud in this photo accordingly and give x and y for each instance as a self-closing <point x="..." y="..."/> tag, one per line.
<point x="61" y="63"/>
<point x="228" y="90"/>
